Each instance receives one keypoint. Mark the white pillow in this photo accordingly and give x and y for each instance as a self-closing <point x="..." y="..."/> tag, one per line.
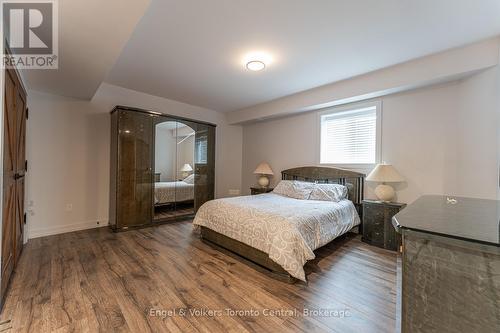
<point x="294" y="189"/>
<point x="189" y="179"/>
<point x="328" y="192"/>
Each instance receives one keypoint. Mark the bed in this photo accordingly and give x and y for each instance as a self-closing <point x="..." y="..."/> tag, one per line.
<point x="170" y="192"/>
<point x="278" y="232"/>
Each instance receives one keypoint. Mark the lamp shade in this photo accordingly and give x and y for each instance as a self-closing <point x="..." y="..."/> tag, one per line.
<point x="186" y="168"/>
<point x="263" y="169"/>
<point x="384" y="173"/>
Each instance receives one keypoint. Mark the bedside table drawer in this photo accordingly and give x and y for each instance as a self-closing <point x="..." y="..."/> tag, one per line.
<point x="374" y="217"/>
<point x="260" y="190"/>
<point x="373" y="212"/>
<point x="377" y="238"/>
<point x="377" y="224"/>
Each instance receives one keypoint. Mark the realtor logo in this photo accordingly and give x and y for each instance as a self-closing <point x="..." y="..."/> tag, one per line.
<point x="30" y="29"/>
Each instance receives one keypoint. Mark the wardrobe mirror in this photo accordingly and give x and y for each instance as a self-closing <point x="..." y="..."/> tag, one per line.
<point x="174" y="178"/>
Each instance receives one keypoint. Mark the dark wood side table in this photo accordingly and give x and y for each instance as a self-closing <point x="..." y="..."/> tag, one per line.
<point x="377" y="225"/>
<point x="260" y="190"/>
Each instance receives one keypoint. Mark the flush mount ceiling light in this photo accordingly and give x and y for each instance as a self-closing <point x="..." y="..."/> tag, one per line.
<point x="257" y="61"/>
<point x="256" y="65"/>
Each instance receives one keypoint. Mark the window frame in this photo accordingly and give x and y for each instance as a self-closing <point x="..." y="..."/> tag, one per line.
<point x="378" y="135"/>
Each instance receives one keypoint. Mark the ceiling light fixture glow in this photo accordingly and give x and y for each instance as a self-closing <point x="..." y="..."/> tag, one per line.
<point x="257" y="61"/>
<point x="256" y="65"/>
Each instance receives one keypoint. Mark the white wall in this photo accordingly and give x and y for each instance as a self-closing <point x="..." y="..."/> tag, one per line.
<point x="68" y="153"/>
<point x="441" y="67"/>
<point x="477" y="125"/>
<point x="443" y="139"/>
<point x="68" y="164"/>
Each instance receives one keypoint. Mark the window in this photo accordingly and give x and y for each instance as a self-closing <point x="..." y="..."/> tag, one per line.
<point x="350" y="136"/>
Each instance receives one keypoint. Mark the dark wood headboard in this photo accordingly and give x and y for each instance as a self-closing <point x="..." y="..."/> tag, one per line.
<point x="355" y="181"/>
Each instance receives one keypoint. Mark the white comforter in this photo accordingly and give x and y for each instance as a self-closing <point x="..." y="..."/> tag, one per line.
<point x="173" y="192"/>
<point x="287" y="229"/>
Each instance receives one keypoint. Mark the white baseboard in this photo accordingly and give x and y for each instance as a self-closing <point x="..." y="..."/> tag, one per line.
<point x="63" y="228"/>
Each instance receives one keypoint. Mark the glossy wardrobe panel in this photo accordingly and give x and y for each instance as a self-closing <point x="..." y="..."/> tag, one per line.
<point x="204" y="165"/>
<point x="134" y="177"/>
<point x="162" y="167"/>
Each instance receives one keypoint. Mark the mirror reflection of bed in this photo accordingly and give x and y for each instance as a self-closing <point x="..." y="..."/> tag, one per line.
<point x="174" y="175"/>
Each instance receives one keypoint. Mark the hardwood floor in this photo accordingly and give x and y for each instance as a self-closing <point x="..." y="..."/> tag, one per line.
<point x="96" y="280"/>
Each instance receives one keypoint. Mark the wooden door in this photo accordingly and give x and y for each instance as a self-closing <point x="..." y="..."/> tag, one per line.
<point x="9" y="183"/>
<point x="20" y="142"/>
<point x="14" y="168"/>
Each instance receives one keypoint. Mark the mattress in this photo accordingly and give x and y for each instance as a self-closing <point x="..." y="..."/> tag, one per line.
<point x="286" y="229"/>
<point x="166" y="192"/>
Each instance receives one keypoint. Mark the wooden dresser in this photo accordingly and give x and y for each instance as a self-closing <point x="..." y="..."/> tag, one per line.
<point x="450" y="265"/>
<point x="377" y="225"/>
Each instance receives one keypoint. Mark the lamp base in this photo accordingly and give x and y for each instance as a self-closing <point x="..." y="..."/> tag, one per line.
<point x="263" y="181"/>
<point x="384" y="192"/>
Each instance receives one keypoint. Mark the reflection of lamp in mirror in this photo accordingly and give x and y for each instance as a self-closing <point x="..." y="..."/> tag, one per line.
<point x="263" y="169"/>
<point x="186" y="169"/>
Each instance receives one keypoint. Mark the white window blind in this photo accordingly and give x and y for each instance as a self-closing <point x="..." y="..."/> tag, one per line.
<point x="349" y="137"/>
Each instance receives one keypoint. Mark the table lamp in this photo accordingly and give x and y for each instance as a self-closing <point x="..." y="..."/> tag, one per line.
<point x="384" y="173"/>
<point x="186" y="169"/>
<point x="263" y="169"/>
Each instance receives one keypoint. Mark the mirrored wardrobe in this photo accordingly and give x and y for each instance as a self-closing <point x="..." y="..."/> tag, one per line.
<point x="162" y="167"/>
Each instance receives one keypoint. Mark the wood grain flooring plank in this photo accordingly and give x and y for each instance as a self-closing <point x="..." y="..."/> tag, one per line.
<point x="96" y="280"/>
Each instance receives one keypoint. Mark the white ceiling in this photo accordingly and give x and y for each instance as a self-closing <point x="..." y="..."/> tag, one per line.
<point x="92" y="34"/>
<point x="191" y="50"/>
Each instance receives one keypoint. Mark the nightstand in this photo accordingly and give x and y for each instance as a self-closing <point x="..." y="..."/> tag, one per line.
<point x="377" y="224"/>
<point x="260" y="190"/>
